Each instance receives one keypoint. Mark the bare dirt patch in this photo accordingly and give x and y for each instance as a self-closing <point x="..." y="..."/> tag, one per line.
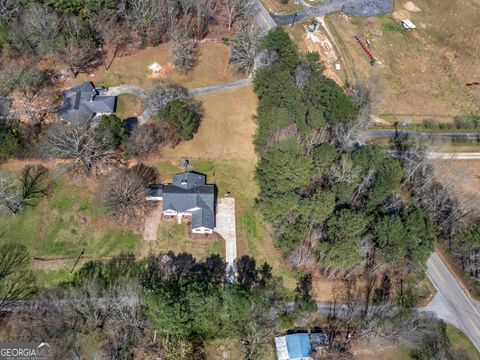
<point x="410" y="6"/>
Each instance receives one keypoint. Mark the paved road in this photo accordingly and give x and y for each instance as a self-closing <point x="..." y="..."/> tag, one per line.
<point x="263" y="18"/>
<point x="326" y="7"/>
<point x="382" y="134"/>
<point x="226" y="227"/>
<point x="442" y="155"/>
<point x="451" y="303"/>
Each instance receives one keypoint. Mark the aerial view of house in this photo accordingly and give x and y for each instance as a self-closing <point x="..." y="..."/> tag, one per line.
<point x="187" y="197"/>
<point x="330" y="209"/>
<point x="82" y="103"/>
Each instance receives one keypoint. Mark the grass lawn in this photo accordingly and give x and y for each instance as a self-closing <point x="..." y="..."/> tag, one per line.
<point x="416" y="80"/>
<point x="64" y="223"/>
<point x="279" y="8"/>
<point x="211" y="68"/>
<point x="461" y="342"/>
<point x="395" y="353"/>
<point x="129" y="105"/>
<point x="177" y="238"/>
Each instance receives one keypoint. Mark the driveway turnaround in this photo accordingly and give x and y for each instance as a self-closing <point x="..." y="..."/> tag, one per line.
<point x="225" y="226"/>
<point x="451" y="303"/>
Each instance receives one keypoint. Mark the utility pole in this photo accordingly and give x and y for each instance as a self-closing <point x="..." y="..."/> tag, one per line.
<point x="78" y="259"/>
<point x="294" y="17"/>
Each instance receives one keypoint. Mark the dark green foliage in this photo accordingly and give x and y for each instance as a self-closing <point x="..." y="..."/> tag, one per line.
<point x="9" y="142"/>
<point x="346" y="225"/>
<point x="110" y="128"/>
<point x="303" y="182"/>
<point x="279" y="41"/>
<point x="303" y="291"/>
<point x="344" y="230"/>
<point x="183" y="118"/>
<point x="388" y="177"/>
<point x="406" y="237"/>
<point x="468" y="240"/>
<point x="323" y="157"/>
<point x="284" y="169"/>
<point x="84" y="8"/>
<point x="318" y="207"/>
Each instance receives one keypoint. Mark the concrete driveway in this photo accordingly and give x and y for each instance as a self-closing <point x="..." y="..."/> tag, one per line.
<point x="225" y="226"/>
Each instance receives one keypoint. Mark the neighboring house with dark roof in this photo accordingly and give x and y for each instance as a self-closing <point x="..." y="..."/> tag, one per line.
<point x="300" y="346"/>
<point x="82" y="103"/>
<point x="188" y="196"/>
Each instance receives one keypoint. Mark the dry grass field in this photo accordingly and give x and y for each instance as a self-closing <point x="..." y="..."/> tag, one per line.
<point x="423" y="71"/>
<point x="464" y="177"/>
<point x="227" y="128"/>
<point x="211" y="68"/>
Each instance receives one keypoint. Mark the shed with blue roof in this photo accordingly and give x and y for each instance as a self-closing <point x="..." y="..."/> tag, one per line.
<point x="293" y="347"/>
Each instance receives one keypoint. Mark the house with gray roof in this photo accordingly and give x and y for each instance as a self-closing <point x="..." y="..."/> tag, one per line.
<point x="187" y="197"/>
<point x="83" y="102"/>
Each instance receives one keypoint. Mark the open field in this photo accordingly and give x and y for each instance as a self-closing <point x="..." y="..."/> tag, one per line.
<point x="211" y="68"/>
<point x="411" y="65"/>
<point x="66" y="222"/>
<point x="227" y="128"/>
<point x="464" y="178"/>
<point x="394" y="353"/>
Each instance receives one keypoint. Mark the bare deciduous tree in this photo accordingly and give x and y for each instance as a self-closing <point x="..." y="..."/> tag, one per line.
<point x="16" y="194"/>
<point x="80" y="146"/>
<point x="245" y="48"/>
<point x="16" y="280"/>
<point x="161" y="94"/>
<point x="123" y="191"/>
<point x="238" y="9"/>
<point x="182" y="52"/>
<point x="9" y="9"/>
<point x="301" y="76"/>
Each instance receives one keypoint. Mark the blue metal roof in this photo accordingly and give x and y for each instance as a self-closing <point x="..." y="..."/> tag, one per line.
<point x="298" y="345"/>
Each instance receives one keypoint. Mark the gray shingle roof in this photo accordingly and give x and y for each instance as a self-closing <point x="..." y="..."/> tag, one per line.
<point x="81" y="103"/>
<point x="189" y="191"/>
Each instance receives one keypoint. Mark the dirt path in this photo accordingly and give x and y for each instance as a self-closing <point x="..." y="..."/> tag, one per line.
<point x="151" y="224"/>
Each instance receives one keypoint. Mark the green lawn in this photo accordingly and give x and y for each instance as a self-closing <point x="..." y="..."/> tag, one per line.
<point x="461" y="342"/>
<point x="64" y="223"/>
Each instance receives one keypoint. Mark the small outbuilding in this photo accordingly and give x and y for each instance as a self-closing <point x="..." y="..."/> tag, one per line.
<point x="408" y="25"/>
<point x="300" y="345"/>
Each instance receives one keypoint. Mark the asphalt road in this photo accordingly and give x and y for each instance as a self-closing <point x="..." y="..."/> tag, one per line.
<point x="382" y="134"/>
<point x="452" y="303"/>
<point x="263" y="18"/>
<point x="326" y="7"/>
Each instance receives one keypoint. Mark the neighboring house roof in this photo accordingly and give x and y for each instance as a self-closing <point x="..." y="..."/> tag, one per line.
<point x="189" y="192"/>
<point x="293" y="346"/>
<point x="81" y="103"/>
